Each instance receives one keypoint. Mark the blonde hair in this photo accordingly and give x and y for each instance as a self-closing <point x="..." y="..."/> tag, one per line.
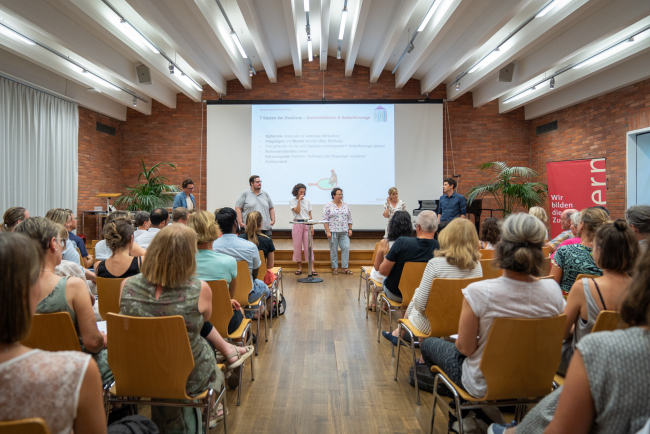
<point x="459" y="244"/>
<point x="12" y="217"/>
<point x="170" y="260"/>
<point x="204" y="225"/>
<point x="392" y="190"/>
<point x="39" y="229"/>
<point x="538" y="212"/>
<point x="592" y="218"/>
<point x="254" y="227"/>
<point x="58" y="215"/>
<point x="118" y="233"/>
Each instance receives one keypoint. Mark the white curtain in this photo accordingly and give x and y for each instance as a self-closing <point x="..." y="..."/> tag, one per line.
<point x="38" y="149"/>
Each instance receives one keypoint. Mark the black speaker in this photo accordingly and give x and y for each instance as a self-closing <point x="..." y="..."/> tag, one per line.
<point x="505" y="74"/>
<point x="144" y="76"/>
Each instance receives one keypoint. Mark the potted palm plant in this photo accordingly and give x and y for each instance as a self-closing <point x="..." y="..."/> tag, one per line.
<point x="511" y="187"/>
<point x="148" y="195"/>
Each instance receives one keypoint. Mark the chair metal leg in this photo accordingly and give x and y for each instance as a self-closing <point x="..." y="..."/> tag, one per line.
<point x="273" y="296"/>
<point x="398" y="348"/>
<point x="225" y="412"/>
<point x="379" y="312"/>
<point x="435" y="398"/>
<point x="266" y="328"/>
<point x="360" y="274"/>
<point x="368" y="283"/>
<point x="259" y="314"/>
<point x="390" y="330"/>
<point x="415" y="370"/>
<point x="241" y="375"/>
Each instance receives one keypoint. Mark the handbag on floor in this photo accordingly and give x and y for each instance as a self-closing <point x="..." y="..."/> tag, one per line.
<point x="279" y="307"/>
<point x="425" y="378"/>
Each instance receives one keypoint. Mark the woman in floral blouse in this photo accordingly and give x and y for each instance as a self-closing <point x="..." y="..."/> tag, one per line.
<point x="338" y="230"/>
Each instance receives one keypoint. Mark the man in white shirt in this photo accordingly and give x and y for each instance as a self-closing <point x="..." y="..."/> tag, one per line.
<point x="142" y="222"/>
<point x="159" y="218"/>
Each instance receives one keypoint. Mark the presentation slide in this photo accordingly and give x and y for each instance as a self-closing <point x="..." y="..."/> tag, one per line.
<point x="327" y="146"/>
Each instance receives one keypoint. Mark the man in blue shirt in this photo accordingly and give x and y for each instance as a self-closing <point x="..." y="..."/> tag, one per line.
<point x="181" y="199"/>
<point x="451" y="204"/>
<point x="71" y="226"/>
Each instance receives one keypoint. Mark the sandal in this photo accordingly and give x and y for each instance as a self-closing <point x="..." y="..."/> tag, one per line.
<point x="240" y="357"/>
<point x="298" y="273"/>
<point x="216" y="417"/>
<point x="372" y="306"/>
<point x="348" y="272"/>
<point x="335" y="271"/>
<point x="313" y="273"/>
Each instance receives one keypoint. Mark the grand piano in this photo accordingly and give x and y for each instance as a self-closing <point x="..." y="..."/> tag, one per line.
<point x="474" y="209"/>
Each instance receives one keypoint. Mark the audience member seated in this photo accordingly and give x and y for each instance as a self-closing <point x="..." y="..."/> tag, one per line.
<point x="490" y="234"/>
<point x="615" y="252"/>
<point x="12" y="217"/>
<point x="211" y="265"/>
<point x="606" y="388"/>
<point x="72" y="226"/>
<point x="142" y="223"/>
<point x="102" y="251"/>
<point x="399" y="225"/>
<point x="638" y="216"/>
<point x="516" y="294"/>
<point x="457" y="258"/>
<point x="118" y="235"/>
<point x="574" y="259"/>
<point x="167" y="287"/>
<point x="565" y="223"/>
<point x="575" y="221"/>
<point x="66" y="294"/>
<point x="180" y="215"/>
<point x="409" y="249"/>
<point x="63" y="217"/>
<point x="242" y="250"/>
<point x="159" y="219"/>
<point x="540" y="213"/>
<point x="254" y="234"/>
<point x="63" y="388"/>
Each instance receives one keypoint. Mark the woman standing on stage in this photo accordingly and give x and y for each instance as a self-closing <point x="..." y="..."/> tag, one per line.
<point x="301" y="209"/>
<point x="338" y="229"/>
<point x="392" y="204"/>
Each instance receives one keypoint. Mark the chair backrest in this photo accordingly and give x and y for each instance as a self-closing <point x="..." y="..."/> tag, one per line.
<point x="410" y="280"/>
<point x="489" y="272"/>
<point x="221" y="307"/>
<point x="34" y="425"/>
<point x="149" y="357"/>
<point x="546" y="267"/>
<point x="81" y="258"/>
<point x="487" y="253"/>
<point x="546" y="250"/>
<point x="374" y="253"/>
<point x="579" y="277"/>
<point x="534" y="351"/>
<point x="52" y="332"/>
<point x="262" y="271"/>
<point x="606" y="321"/>
<point x="94" y="243"/>
<point x="108" y="295"/>
<point x="444" y="305"/>
<point x="244" y="283"/>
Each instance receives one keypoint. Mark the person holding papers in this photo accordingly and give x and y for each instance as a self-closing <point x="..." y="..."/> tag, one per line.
<point x="338" y="229"/>
<point x="301" y="210"/>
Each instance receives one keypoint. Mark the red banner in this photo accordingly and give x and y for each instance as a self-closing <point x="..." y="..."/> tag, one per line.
<point x="576" y="184"/>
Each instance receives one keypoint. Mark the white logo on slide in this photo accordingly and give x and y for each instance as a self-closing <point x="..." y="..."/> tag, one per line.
<point x="380" y="114"/>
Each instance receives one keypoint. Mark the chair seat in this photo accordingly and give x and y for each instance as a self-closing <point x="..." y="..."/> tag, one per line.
<point x="379" y="285"/>
<point x="255" y="303"/>
<point x="276" y="270"/>
<point x="367" y="268"/>
<point x="391" y="303"/>
<point x="417" y="333"/>
<point x="201" y="396"/>
<point x="240" y="330"/>
<point x="559" y="380"/>
<point x="464" y="395"/>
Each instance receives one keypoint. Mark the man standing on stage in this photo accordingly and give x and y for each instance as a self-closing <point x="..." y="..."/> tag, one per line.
<point x="451" y="204"/>
<point x="256" y="199"/>
<point x="185" y="198"/>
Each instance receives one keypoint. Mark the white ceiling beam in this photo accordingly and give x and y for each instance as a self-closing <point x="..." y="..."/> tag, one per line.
<point x="402" y="13"/>
<point x="169" y="26"/>
<point x="254" y="25"/>
<point x="444" y="19"/>
<point x="612" y="18"/>
<point x="324" y="32"/>
<point x="289" y="7"/>
<point x="43" y="17"/>
<point x="624" y="74"/>
<point x="359" y="20"/>
<point x="534" y="35"/>
<point x="23" y="71"/>
<point x="479" y="23"/>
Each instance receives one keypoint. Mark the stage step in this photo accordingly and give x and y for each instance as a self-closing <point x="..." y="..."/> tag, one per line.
<point x="284" y="259"/>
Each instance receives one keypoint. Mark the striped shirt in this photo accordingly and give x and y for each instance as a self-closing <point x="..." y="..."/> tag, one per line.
<point x="436" y="268"/>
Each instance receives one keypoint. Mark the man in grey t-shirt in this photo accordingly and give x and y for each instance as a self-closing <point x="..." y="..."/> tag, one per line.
<point x="255" y="199"/>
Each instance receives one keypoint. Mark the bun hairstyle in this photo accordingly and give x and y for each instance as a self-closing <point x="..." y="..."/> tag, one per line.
<point x="12" y="217"/>
<point x="635" y="309"/>
<point x="40" y="229"/>
<point x="617" y="247"/>
<point x="520" y="249"/>
<point x="118" y="234"/>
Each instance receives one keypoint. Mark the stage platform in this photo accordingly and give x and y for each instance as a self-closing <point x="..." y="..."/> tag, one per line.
<point x="360" y="254"/>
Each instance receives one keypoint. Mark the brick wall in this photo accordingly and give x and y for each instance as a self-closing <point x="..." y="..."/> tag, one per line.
<point x="595" y="129"/>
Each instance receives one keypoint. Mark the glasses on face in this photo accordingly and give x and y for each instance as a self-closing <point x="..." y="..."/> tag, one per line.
<point x="189" y="188"/>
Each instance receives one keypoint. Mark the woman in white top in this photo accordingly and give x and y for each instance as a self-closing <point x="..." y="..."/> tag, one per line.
<point x="103" y="252"/>
<point x="392" y="204"/>
<point x="457" y="258"/>
<point x="490" y="234"/>
<point x="67" y="384"/>
<point x="517" y="294"/>
<point x="301" y="209"/>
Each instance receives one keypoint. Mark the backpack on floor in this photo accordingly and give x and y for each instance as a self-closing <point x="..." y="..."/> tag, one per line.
<point x="279" y="307"/>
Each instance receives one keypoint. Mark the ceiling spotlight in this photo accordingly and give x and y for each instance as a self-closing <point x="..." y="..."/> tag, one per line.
<point x="171" y="68"/>
<point x="250" y="71"/>
<point x="458" y="85"/>
<point x="410" y="48"/>
<point x="338" y="53"/>
<point x="135" y="101"/>
<point x="553" y="83"/>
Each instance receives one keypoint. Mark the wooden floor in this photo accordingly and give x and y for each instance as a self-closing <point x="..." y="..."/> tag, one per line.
<point x="322" y="371"/>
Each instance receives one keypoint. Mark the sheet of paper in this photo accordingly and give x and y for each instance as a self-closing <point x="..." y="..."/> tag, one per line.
<point x="101" y="325"/>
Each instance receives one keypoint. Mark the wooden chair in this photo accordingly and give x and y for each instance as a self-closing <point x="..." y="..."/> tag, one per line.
<point x="152" y="358"/>
<point x="108" y="296"/>
<point x="221" y="315"/>
<point x="579" y="277"/>
<point x="244" y="287"/>
<point x="534" y="349"/>
<point x="547" y="251"/>
<point x="94" y="243"/>
<point x="408" y="283"/>
<point x="487" y="253"/>
<point x="34" y="425"/>
<point x="81" y="258"/>
<point x="443" y="312"/>
<point x="273" y="287"/>
<point x="52" y="332"/>
<point x="489" y="272"/>
<point x="546" y="267"/>
<point x="364" y="274"/>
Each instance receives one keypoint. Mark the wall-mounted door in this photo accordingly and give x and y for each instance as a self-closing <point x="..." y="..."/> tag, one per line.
<point x="643" y="169"/>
